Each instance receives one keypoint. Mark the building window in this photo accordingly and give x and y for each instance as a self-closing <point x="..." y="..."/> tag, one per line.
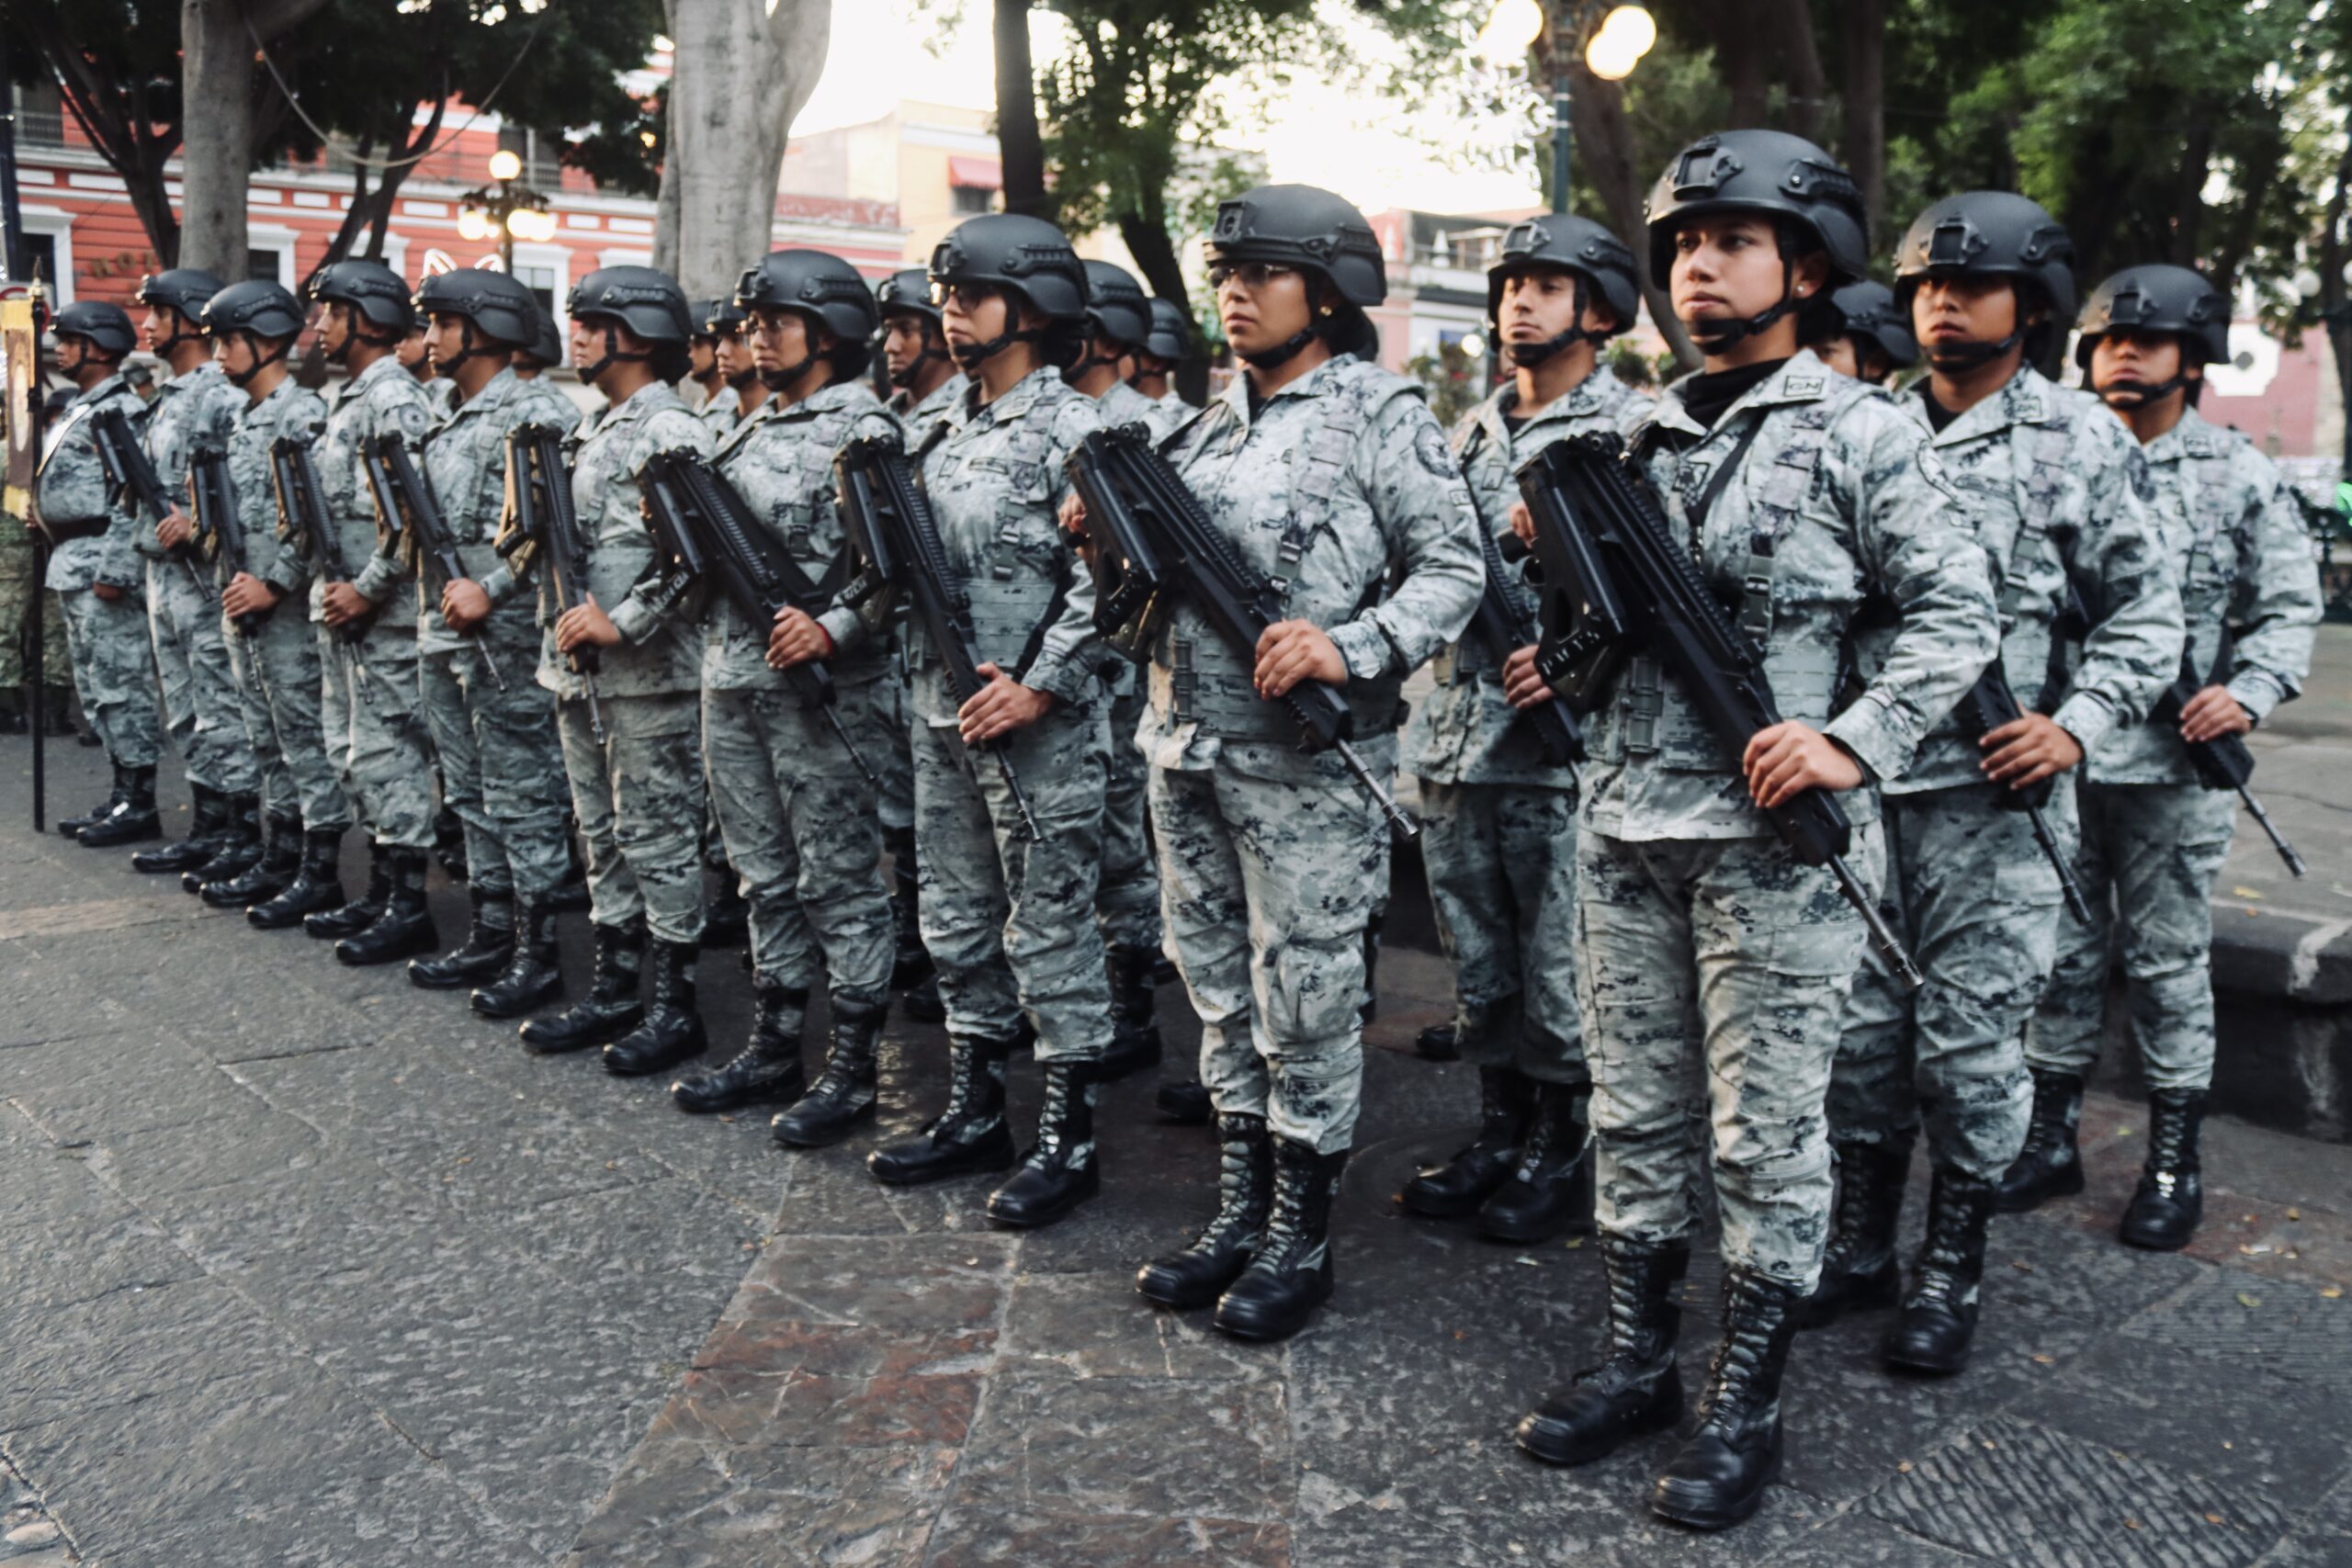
<point x="262" y="265"/>
<point x="40" y="252"/>
<point x="540" y="281"/>
<point x="40" y="115"/>
<point x="542" y="163"/>
<point x="967" y="199"/>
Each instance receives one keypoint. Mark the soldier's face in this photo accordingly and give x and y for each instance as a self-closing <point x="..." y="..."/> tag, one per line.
<point x="736" y="356"/>
<point x="1727" y="266"/>
<point x="155" y="326"/>
<point x="1964" y="307"/>
<point x="974" y="315"/>
<point x="1263" y="305"/>
<point x="335" y="329"/>
<point x="2123" y="364"/>
<point x="902" y="343"/>
<point x="235" y="353"/>
<point x="444" y="339"/>
<point x="1539" y="305"/>
<point x="411" y="349"/>
<point x="702" y="357"/>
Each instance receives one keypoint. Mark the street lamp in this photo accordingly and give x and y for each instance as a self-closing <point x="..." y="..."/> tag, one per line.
<point x="2337" y="322"/>
<point x="505" y="207"/>
<point x="1611" y="50"/>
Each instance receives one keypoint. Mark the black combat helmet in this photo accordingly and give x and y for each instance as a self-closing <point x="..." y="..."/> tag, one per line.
<point x="704" y="311"/>
<point x="493" y="306"/>
<point x="1171" y="330"/>
<point x="823" y="289"/>
<point x="1866" y="309"/>
<point x="1772" y="175"/>
<point x="265" y="310"/>
<point x="103" y="326"/>
<point x="1995" y="233"/>
<point x="1587" y="252"/>
<point x="547" y="343"/>
<point x="1116" y="306"/>
<point x="645" y="300"/>
<point x="374" y="291"/>
<point x="1026" y="256"/>
<point x="2156" y="297"/>
<point x="908" y="290"/>
<point x="184" y="289"/>
<point x="1323" y="236"/>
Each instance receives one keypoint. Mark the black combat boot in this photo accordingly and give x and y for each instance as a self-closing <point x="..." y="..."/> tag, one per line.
<point x="1859" y="1268"/>
<point x="1549" y="1193"/>
<point x="909" y="962"/>
<point x="1135" y="1024"/>
<point x="240" y="847"/>
<point x="317" y="884"/>
<point x="208" y="830"/>
<point x="133" y="819"/>
<point x="611" y="1008"/>
<point x="489" y="947"/>
<point x="1636" y="1388"/>
<point x="532" y="976"/>
<point x="1184" y="1101"/>
<point x="269" y="871"/>
<point x="1719" y="1477"/>
<point x="2164" y="1212"/>
<point x="727" y="922"/>
<point x="766" y="1071"/>
<point x="1438" y="1042"/>
<point x="71" y="826"/>
<point x="1060" y="1170"/>
<point x="1459" y="1185"/>
<point x="844" y="1093"/>
<point x="57" y="712"/>
<point x="2049" y="1165"/>
<point x="671" y="1029"/>
<point x="921" y="1001"/>
<point x="12" y="711"/>
<point x="405" y="929"/>
<point x="1371" y="1005"/>
<point x="1201" y="1273"/>
<point x="1938" y="1315"/>
<point x="968" y="1134"/>
<point x="1289" y="1274"/>
<point x="332" y="925"/>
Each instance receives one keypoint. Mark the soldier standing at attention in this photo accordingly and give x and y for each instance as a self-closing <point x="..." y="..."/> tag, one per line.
<point x="1162" y="349"/>
<point x="1799" y="492"/>
<point x="1008" y="919"/>
<point x="2054" y="493"/>
<point x="2153" y="837"/>
<point x="702" y="360"/>
<point x="1499" y="823"/>
<point x="418" y="363"/>
<point x="729" y="326"/>
<point x="1328" y="474"/>
<point x="1868" y="336"/>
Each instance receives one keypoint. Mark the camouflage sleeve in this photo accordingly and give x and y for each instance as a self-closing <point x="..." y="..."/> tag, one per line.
<point x="2276" y="601"/>
<point x="119" y="563"/>
<point x="2133" y="652"/>
<point x="843" y="625"/>
<point x="641" y="614"/>
<point x="1070" y="651"/>
<point x="1917" y="557"/>
<point x="1423" y="506"/>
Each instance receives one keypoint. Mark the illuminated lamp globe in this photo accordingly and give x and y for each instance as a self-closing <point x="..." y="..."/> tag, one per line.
<point x="506" y="164"/>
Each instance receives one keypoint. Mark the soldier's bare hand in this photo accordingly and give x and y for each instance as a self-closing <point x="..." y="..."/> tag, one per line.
<point x="345" y="603"/>
<point x="107" y="591"/>
<point x="586" y="623"/>
<point x="247" y="595"/>
<point x="1001" y="706"/>
<point x="2026" y="750"/>
<point x="1522" y="523"/>
<point x="1523" y="687"/>
<point x="463" y="604"/>
<point x="1784" y="760"/>
<point x="795" y="639"/>
<point x="2211" y="713"/>
<point x="175" y="530"/>
<point x="1291" y="651"/>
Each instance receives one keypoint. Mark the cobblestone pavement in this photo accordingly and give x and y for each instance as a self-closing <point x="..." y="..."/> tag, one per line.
<point x="300" y="1265"/>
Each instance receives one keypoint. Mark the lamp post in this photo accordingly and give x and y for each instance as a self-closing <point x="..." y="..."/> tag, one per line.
<point x="2337" y="322"/>
<point x="1611" y="50"/>
<point x="507" y="208"/>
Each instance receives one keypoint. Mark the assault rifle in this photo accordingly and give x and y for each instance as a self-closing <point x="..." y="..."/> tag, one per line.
<point x="898" y="549"/>
<point x="1616" y="582"/>
<point x="304" y="509"/>
<point x="128" y="473"/>
<point x="212" y="503"/>
<point x="539" y="502"/>
<point x="2223" y="762"/>
<point x="1989" y="705"/>
<point x="1151" y="539"/>
<point x="405" y="503"/>
<point x="696" y="514"/>
<point x="1504" y="630"/>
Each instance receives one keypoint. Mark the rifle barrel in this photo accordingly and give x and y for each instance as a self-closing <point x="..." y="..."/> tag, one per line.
<point x="2278" y="840"/>
<point x="1882" y="938"/>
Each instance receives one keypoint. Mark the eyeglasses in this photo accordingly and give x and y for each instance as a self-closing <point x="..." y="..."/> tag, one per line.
<point x="968" y="297"/>
<point x="1250" y="277"/>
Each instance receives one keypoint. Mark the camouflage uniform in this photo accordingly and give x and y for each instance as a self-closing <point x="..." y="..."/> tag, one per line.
<point x="374" y="731"/>
<point x="113" y="662"/>
<point x="200" y="700"/>
<point x="1271" y="861"/>
<point x="1174" y="410"/>
<point x="895" y="805"/>
<point x="721" y="410"/>
<point x="17" y="588"/>
<point x="2150" y="832"/>
<point x="999" y="911"/>
<point x="2055" y="490"/>
<point x="501" y="770"/>
<point x="1675" y="881"/>
<point x="797" y="815"/>
<point x="1499" y="828"/>
<point x="639" y="796"/>
<point x="277" y="667"/>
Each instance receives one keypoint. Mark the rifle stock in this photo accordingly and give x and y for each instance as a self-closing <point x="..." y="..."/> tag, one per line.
<point x="404" y="503"/>
<point x="1504" y="631"/>
<point x="538" y="503"/>
<point x="2224" y="761"/>
<point x="212" y="503"/>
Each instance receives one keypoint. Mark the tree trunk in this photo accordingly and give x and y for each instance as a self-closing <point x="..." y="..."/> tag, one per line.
<point x="742" y="72"/>
<point x="1866" y="107"/>
<point x="217" y="71"/>
<point x="1018" y="141"/>
<point x="1791" y="21"/>
<point x="2335" y="308"/>
<point x="133" y="141"/>
<point x="1605" y="148"/>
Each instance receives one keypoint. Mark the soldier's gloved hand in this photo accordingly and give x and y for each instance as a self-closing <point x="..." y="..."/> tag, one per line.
<point x="107" y="591"/>
<point x="586" y="623"/>
<point x="795" y="639"/>
<point x="344" y="603"/>
<point x="1291" y="651"/>
<point x="1001" y="706"/>
<point x="2211" y="713"/>
<point x="1523" y="687"/>
<point x="464" y="605"/>
<point x="2026" y="750"/>
<point x="247" y="595"/>
<point x="1786" y="759"/>
<point x="175" y="530"/>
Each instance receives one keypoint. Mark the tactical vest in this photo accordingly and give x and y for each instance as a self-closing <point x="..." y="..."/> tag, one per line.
<point x="1022" y="583"/>
<point x="2210" y="566"/>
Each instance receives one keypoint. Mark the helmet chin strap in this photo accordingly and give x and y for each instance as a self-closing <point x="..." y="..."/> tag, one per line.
<point x="784" y="379"/>
<point x="972" y="355"/>
<point x="742" y="379"/>
<point x="474" y="350"/>
<point x="261" y="361"/>
<point x="1527" y="356"/>
<point x="1712" y="336"/>
<point x="163" y="350"/>
<point x="2124" y="392"/>
<point x="612" y="355"/>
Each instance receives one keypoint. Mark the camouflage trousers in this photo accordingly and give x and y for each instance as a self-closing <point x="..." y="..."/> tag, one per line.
<point x="1971" y="895"/>
<point x="1127" y="904"/>
<point x="375" y="735"/>
<point x="1267" y="880"/>
<point x="2157" y="850"/>
<point x="638" y="798"/>
<point x="1501" y="861"/>
<point x="114" y="667"/>
<point x="1007" y="920"/>
<point x="800" y="825"/>
<point x="1714" y="977"/>
<point x="502" y="766"/>
<point x="201" y="703"/>
<point x="15" y="603"/>
<point x="277" y="671"/>
<point x="894" y="762"/>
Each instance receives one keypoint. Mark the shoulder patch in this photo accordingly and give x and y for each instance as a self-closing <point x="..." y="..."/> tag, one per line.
<point x="1429" y="447"/>
<point x="1804" y="386"/>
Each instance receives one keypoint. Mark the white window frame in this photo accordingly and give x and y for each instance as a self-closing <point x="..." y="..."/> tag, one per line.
<point x="58" y="225"/>
<point x="274" y="237"/>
